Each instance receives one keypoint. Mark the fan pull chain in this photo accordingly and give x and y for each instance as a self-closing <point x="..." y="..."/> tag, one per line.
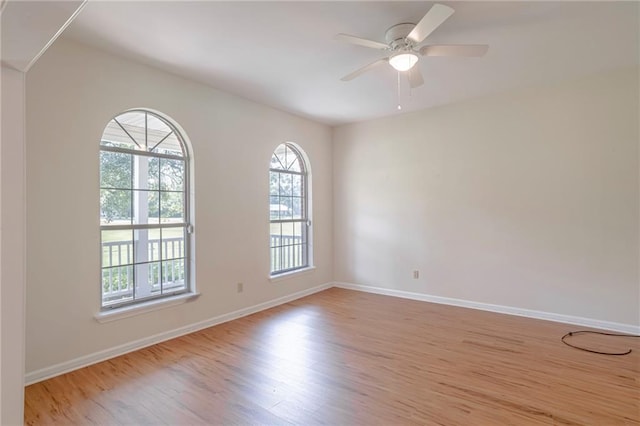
<point x="399" y="106"/>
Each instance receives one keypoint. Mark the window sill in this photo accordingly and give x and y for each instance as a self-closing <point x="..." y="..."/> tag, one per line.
<point x="142" y="308"/>
<point x="292" y="274"/>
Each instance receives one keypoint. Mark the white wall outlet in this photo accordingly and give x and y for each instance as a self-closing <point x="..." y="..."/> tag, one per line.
<point x="240" y="287"/>
<point x="416" y="274"/>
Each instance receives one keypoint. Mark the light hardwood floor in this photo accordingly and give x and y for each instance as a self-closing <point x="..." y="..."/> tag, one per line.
<point x="341" y="357"/>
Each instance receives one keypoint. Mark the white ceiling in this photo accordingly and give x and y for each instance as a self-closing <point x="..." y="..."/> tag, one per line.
<point x="283" y="53"/>
<point x="27" y="28"/>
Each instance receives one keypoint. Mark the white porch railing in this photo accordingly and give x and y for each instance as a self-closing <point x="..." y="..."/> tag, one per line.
<point x="287" y="252"/>
<point x="117" y="281"/>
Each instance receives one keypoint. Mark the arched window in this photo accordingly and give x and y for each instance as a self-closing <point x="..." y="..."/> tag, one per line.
<point x="144" y="209"/>
<point x="289" y="210"/>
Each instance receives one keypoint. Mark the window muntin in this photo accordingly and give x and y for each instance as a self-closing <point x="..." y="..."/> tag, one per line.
<point x="144" y="169"/>
<point x="288" y="210"/>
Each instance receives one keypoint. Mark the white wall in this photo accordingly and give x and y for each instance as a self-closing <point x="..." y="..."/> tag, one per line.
<point x="72" y="92"/>
<point x="527" y="199"/>
<point x="12" y="249"/>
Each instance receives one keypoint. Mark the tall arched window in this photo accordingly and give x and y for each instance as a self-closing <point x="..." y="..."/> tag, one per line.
<point x="144" y="209"/>
<point x="289" y="210"/>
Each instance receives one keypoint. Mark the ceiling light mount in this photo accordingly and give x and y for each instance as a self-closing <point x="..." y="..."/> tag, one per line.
<point x="403" y="57"/>
<point x="396" y="36"/>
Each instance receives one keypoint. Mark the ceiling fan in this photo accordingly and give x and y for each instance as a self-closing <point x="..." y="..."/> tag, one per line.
<point x="403" y="41"/>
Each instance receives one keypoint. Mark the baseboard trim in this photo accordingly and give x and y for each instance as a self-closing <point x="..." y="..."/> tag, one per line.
<point x="86" y="360"/>
<point x="549" y="316"/>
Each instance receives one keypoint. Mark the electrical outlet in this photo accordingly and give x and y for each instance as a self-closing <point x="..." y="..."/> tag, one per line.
<point x="416" y="274"/>
<point x="240" y="287"/>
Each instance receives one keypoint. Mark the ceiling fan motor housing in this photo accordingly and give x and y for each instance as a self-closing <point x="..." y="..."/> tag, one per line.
<point x="396" y="36"/>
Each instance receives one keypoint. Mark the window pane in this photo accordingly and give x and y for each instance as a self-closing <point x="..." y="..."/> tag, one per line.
<point x="115" y="170"/>
<point x="134" y="124"/>
<point x="157" y="130"/>
<point x="171" y="175"/>
<point x="273" y="183"/>
<point x="279" y="262"/>
<point x="153" y="178"/>
<point x="297" y="232"/>
<point x="295" y="166"/>
<point x="296" y="185"/>
<point x="171" y="207"/>
<point x="300" y="257"/>
<point x="114" y="135"/>
<point x="274" y="207"/>
<point x="287" y="257"/>
<point x="287" y="234"/>
<point x="155" y="277"/>
<point x="293" y="163"/>
<point x="146" y="207"/>
<point x="304" y="231"/>
<point x="278" y="159"/>
<point x="145" y="173"/>
<point x="115" y="206"/>
<point x="275" y="163"/>
<point x="286" y="204"/>
<point x="276" y="231"/>
<point x="147" y="245"/>
<point x="285" y="184"/>
<point x="117" y="284"/>
<point x="296" y="208"/>
<point x="117" y="247"/>
<point x="273" y="258"/>
<point x="293" y="256"/>
<point x="173" y="243"/>
<point x="173" y="275"/>
<point x="147" y="279"/>
<point x="171" y="146"/>
<point x="285" y="208"/>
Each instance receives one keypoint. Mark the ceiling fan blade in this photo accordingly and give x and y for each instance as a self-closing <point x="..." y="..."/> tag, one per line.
<point x="361" y="41"/>
<point x="429" y="22"/>
<point x="454" y="50"/>
<point x="364" y="69"/>
<point x="415" y="77"/>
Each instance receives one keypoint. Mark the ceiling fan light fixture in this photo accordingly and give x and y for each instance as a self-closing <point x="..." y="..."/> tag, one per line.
<point x="403" y="61"/>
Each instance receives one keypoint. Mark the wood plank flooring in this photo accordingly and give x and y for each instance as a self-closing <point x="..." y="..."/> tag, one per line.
<point x="341" y="357"/>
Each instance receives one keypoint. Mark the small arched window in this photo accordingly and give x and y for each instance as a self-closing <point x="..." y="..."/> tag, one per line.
<point x="289" y="210"/>
<point x="144" y="209"/>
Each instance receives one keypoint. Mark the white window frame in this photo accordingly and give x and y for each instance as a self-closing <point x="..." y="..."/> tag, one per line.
<point x="305" y="220"/>
<point x="186" y="224"/>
